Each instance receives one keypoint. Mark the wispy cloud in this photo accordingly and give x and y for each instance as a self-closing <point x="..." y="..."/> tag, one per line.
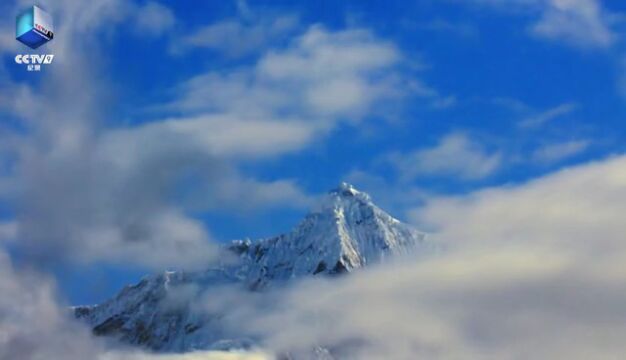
<point x="154" y="19"/>
<point x="71" y="201"/>
<point x="546" y="116"/>
<point x="240" y="36"/>
<point x="456" y="154"/>
<point x="301" y="91"/>
<point x="445" y="102"/>
<point x="556" y="152"/>
<point x="89" y="193"/>
<point x="579" y="23"/>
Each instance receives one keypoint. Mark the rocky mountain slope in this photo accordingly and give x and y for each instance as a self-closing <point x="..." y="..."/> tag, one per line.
<point x="345" y="232"/>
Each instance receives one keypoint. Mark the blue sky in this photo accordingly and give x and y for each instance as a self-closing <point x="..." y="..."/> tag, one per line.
<point x="226" y="120"/>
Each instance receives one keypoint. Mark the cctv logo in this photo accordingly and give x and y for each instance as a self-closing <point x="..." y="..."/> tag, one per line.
<point x="34" y="28"/>
<point x="47" y="34"/>
<point x="34" y="59"/>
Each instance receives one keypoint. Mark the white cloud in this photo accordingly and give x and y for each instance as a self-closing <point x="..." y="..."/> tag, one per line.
<point x="7" y="40"/>
<point x="576" y="208"/>
<point x="34" y="325"/>
<point x="495" y="303"/>
<point x="87" y="193"/>
<point x="291" y="97"/>
<point x="238" y="37"/>
<point x="531" y="271"/>
<point x="579" y="23"/>
<point x="283" y="193"/>
<point x="455" y="155"/>
<point x="321" y="52"/>
<point x="244" y="9"/>
<point x="556" y="292"/>
<point x="250" y="113"/>
<point x="153" y="19"/>
<point x="111" y="199"/>
<point x="339" y="73"/>
<point x="320" y="77"/>
<point x="218" y="135"/>
<point x="555" y="152"/>
<point x="8" y="231"/>
<point x="445" y="102"/>
<point x="546" y="116"/>
<point x="31" y="324"/>
<point x="75" y="202"/>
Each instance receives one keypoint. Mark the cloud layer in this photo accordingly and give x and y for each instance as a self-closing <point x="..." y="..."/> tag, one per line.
<point x="35" y="325"/>
<point x="532" y="271"/>
<point x="85" y="191"/>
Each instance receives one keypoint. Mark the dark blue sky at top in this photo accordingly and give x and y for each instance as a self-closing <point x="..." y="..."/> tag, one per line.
<point x="479" y="56"/>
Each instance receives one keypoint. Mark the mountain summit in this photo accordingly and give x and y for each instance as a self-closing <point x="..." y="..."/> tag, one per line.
<point x="344" y="232"/>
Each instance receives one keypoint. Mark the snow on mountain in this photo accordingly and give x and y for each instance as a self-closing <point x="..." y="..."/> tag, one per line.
<point x="345" y="232"/>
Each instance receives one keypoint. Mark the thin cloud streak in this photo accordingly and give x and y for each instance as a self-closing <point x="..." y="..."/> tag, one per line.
<point x="547" y="116"/>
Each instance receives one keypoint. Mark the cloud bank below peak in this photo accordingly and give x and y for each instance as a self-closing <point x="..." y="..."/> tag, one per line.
<point x="533" y="270"/>
<point x="36" y="325"/>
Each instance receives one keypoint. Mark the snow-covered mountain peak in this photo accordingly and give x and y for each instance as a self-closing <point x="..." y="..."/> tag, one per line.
<point x="347" y="205"/>
<point x="345" y="189"/>
<point x="343" y="201"/>
<point x="346" y="232"/>
<point x="348" y="192"/>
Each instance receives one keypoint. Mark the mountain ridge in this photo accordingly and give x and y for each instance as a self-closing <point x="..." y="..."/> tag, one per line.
<point x="345" y="232"/>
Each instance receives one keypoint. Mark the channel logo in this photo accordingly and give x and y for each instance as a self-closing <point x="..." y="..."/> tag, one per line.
<point x="34" y="27"/>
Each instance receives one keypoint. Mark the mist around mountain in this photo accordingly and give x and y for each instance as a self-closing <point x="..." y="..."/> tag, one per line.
<point x="345" y="232"/>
